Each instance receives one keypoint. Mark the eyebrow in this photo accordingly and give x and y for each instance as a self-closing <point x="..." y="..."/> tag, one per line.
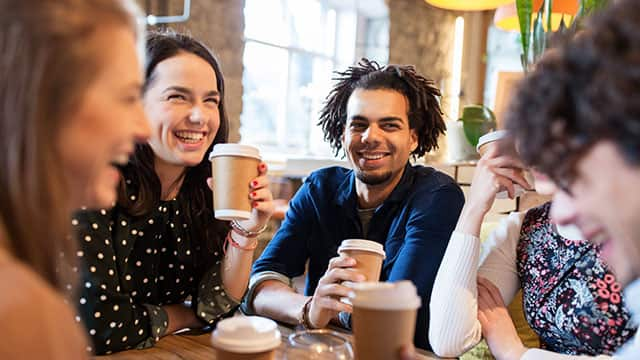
<point x="188" y="91"/>
<point x="384" y="119"/>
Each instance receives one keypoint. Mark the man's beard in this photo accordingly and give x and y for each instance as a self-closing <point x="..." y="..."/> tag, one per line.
<point x="370" y="179"/>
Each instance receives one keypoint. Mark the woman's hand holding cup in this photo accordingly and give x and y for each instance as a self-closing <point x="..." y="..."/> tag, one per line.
<point x="261" y="198"/>
<point x="495" y="172"/>
<point x="261" y="201"/>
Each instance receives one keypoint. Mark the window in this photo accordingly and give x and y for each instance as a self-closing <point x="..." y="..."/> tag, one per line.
<point x="291" y="49"/>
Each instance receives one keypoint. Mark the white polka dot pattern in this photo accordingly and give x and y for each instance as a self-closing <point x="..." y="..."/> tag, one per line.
<point x="134" y="266"/>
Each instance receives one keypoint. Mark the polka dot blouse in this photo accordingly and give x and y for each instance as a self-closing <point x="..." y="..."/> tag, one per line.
<point x="132" y="266"/>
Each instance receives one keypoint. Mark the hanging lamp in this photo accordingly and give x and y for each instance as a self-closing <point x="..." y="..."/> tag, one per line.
<point x="469" y="5"/>
<point x="506" y="17"/>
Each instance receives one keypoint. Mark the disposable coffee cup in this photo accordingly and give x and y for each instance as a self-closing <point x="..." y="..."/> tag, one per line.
<point x="505" y="145"/>
<point x="368" y="255"/>
<point x="233" y="167"/>
<point x="246" y="338"/>
<point x="498" y="138"/>
<point x="383" y="319"/>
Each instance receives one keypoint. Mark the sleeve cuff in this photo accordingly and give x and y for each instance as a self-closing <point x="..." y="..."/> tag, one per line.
<point x="463" y="236"/>
<point x="257" y="279"/>
<point x="158" y="321"/>
<point x="213" y="301"/>
<point x="345" y="319"/>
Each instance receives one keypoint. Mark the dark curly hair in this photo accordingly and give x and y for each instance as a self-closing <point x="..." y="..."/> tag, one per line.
<point x="584" y="91"/>
<point x="425" y="116"/>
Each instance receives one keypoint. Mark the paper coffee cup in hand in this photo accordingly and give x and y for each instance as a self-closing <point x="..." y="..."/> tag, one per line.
<point x="368" y="255"/>
<point x="505" y="145"/>
<point x="233" y="167"/>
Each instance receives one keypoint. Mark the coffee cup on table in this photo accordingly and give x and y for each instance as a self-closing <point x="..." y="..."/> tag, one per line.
<point x="504" y="145"/>
<point x="233" y="167"/>
<point x="246" y="338"/>
<point x="383" y="318"/>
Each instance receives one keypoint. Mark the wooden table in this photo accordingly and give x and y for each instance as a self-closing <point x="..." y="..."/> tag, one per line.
<point x="198" y="347"/>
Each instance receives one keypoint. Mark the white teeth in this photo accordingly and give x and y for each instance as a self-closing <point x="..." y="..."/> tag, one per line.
<point x="190" y="135"/>
<point x="372" y="156"/>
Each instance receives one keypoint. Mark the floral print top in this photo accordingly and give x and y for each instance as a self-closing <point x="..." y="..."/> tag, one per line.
<point x="570" y="298"/>
<point x="133" y="265"/>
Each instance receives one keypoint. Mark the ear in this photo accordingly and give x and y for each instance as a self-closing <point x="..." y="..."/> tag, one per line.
<point x="413" y="138"/>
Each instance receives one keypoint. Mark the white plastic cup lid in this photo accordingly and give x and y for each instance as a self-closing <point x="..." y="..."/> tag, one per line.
<point x="235" y="150"/>
<point x="492" y="136"/>
<point x="401" y="295"/>
<point x="246" y="335"/>
<point x="362" y="245"/>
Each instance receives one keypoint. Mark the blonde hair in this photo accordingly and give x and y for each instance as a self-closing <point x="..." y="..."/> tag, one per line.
<point x="47" y="61"/>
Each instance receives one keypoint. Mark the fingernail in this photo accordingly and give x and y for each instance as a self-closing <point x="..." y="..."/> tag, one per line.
<point x="254" y="183"/>
<point x="255" y="204"/>
<point x="263" y="166"/>
<point x="254" y="194"/>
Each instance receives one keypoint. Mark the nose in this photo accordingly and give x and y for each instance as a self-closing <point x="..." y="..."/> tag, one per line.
<point x="196" y="115"/>
<point x="371" y="135"/>
<point x="141" y="128"/>
<point x="563" y="209"/>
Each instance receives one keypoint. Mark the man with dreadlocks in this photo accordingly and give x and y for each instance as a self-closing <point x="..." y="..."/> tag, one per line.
<point x="380" y="117"/>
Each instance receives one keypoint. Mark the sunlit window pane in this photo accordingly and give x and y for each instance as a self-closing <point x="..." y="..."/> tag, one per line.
<point x="265" y="85"/>
<point x="330" y="33"/>
<point x="292" y="48"/>
<point x="306" y="24"/>
<point x="266" y="20"/>
<point x="308" y="86"/>
<point x="346" y="46"/>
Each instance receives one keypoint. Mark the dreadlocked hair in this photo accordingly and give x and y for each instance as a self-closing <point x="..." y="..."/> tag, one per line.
<point x="424" y="113"/>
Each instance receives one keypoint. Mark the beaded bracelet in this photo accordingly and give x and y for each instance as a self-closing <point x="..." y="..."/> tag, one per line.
<point x="229" y="239"/>
<point x="237" y="228"/>
<point x="303" y="319"/>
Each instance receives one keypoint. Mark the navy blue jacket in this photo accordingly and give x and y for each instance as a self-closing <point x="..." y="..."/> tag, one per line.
<point x="414" y="224"/>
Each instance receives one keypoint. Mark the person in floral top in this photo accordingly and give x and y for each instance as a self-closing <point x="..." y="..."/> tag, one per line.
<point x="570" y="298"/>
<point x="585" y="133"/>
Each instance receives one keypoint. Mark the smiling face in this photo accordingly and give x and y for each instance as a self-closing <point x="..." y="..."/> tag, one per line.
<point x="182" y="104"/>
<point x="377" y="138"/>
<point x="102" y="131"/>
<point x="604" y="190"/>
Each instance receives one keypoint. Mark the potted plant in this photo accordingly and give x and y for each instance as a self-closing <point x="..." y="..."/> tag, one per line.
<point x="534" y="37"/>
<point x="477" y="120"/>
<point x="463" y="134"/>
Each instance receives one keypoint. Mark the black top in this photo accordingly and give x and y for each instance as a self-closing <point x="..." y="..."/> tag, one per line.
<point x="135" y="265"/>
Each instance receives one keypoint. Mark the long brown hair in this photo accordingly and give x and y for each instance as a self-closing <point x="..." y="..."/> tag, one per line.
<point x="206" y="232"/>
<point x="47" y="61"/>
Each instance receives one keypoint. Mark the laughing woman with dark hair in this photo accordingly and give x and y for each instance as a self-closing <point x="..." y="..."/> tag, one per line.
<point x="161" y="245"/>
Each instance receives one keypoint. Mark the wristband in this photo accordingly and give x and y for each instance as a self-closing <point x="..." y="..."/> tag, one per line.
<point x="238" y="229"/>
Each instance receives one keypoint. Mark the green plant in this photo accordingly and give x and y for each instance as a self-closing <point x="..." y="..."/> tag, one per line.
<point x="534" y="37"/>
<point x="477" y="120"/>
